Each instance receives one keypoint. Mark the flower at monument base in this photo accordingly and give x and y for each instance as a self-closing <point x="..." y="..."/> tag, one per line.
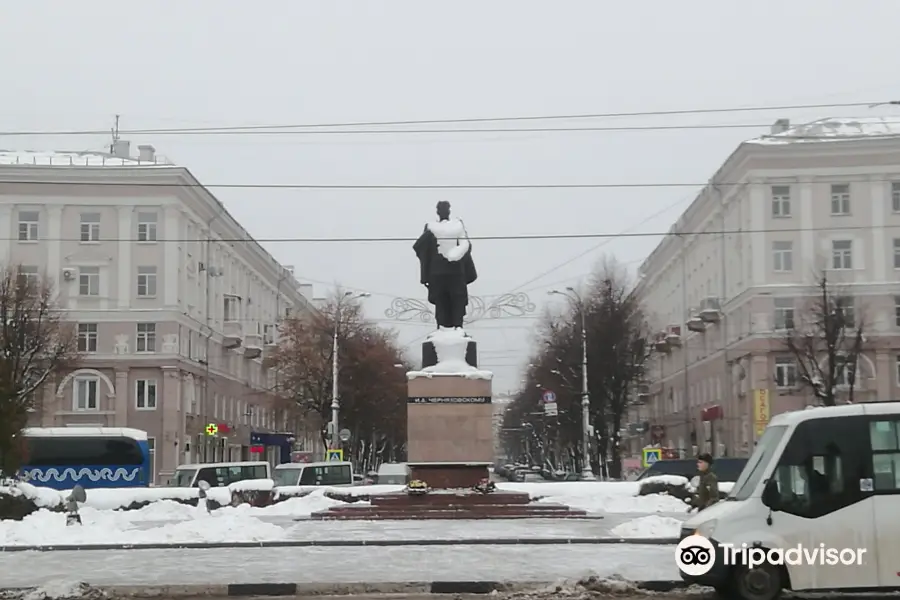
<point x="485" y="486"/>
<point x="417" y="487"/>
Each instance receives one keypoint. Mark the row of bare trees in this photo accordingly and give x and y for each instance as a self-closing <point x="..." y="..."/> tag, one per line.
<point x="618" y="348"/>
<point x="371" y="378"/>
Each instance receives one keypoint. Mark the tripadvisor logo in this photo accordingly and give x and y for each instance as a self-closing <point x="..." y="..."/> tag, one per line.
<point x="695" y="555"/>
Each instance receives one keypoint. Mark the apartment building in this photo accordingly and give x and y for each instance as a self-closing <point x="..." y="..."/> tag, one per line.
<point x="740" y="265"/>
<point x="174" y="302"/>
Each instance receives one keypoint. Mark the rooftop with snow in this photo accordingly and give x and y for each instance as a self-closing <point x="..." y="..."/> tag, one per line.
<point x="831" y="129"/>
<point x="118" y="156"/>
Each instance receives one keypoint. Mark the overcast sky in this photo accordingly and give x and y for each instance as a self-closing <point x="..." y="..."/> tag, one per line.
<point x="74" y="65"/>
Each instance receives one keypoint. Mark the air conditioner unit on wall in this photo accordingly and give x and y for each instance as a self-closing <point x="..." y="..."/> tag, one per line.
<point x="68" y="274"/>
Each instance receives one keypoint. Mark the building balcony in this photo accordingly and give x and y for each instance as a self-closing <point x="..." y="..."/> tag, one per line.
<point x="660" y="343"/>
<point x="696" y="324"/>
<point x="253" y="345"/>
<point x="673" y="336"/>
<point x="711" y="310"/>
<point x="233" y="334"/>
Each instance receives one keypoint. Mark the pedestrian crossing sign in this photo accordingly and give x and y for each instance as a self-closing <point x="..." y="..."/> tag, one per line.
<point x="334" y="455"/>
<point x="650" y="456"/>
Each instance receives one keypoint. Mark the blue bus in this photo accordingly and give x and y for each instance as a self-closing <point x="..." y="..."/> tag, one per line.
<point x="94" y="457"/>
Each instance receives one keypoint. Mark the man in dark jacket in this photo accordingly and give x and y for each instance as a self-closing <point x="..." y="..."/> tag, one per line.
<point x="707" y="492"/>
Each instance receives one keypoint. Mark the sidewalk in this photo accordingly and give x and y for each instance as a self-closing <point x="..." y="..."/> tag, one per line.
<point x="338" y="565"/>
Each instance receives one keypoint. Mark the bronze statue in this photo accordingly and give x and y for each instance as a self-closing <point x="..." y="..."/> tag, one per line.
<point x="446" y="267"/>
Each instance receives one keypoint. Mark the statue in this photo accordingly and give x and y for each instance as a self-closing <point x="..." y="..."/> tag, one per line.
<point x="446" y="267"/>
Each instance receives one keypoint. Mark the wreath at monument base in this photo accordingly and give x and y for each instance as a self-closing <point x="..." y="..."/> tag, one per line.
<point x="485" y="486"/>
<point x="417" y="487"/>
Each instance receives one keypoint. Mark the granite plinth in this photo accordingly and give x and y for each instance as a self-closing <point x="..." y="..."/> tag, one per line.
<point x="450" y="475"/>
<point x="449" y="504"/>
<point x="451" y="431"/>
<point x="430" y="357"/>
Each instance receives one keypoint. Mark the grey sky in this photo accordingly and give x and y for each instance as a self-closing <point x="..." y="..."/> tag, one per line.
<point x="203" y="63"/>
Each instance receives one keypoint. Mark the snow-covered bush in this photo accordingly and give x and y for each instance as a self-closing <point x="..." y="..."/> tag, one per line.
<point x="19" y="499"/>
<point x="255" y="492"/>
<point x="675" y="486"/>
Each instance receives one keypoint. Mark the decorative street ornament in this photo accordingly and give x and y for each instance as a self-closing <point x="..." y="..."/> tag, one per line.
<point x="504" y="306"/>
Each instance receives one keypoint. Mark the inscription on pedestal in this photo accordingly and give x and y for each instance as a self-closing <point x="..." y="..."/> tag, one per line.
<point x="449" y="400"/>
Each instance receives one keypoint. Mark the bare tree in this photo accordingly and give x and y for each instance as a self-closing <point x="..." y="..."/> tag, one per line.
<point x="35" y="343"/>
<point x="826" y="340"/>
<point x="618" y="350"/>
<point x="371" y="378"/>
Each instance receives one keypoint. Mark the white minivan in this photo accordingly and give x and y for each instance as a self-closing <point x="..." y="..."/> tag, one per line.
<point x="334" y="474"/>
<point x="221" y="474"/>
<point x="821" y="478"/>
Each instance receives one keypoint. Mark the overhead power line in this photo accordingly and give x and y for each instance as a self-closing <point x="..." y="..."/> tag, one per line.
<point x="398" y="186"/>
<point x="610" y="115"/>
<point x="539" y="236"/>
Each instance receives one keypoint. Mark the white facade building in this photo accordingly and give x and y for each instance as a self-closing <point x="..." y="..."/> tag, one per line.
<point x="174" y="302"/>
<point x="740" y="264"/>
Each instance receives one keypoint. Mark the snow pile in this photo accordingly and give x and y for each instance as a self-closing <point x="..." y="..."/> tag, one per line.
<point x="583" y="589"/>
<point x="115" y="527"/>
<point x="347" y="494"/>
<point x="252" y="485"/>
<point x="450" y="346"/>
<point x="597" y="496"/>
<point x="42" y="497"/>
<point x="58" y="590"/>
<point x="649" y="527"/>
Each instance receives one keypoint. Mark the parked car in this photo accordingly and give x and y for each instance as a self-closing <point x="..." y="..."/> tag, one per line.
<point x="726" y="469"/>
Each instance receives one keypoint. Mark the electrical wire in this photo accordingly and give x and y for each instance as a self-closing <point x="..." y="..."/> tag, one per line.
<point x="610" y="115"/>
<point x="412" y="186"/>
<point x="523" y="237"/>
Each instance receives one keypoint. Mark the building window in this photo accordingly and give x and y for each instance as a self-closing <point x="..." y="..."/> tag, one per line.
<point x="89" y="281"/>
<point x="897" y="369"/>
<point x="840" y="199"/>
<point x="87" y="337"/>
<point x="841" y="254"/>
<point x="28" y="275"/>
<point x="845" y="306"/>
<point x="146" y="282"/>
<point x="785" y="372"/>
<point x="897" y="311"/>
<point x="846" y="372"/>
<point x="86" y="393"/>
<point x="145" y="394"/>
<point x="783" y="256"/>
<point x="784" y="313"/>
<point x="895" y="196"/>
<point x="28" y="225"/>
<point x="781" y="200"/>
<point x="268" y="334"/>
<point x="90" y="227"/>
<point x="146" y="337"/>
<point x="146" y="226"/>
<point x="151" y="450"/>
<point x="897" y="253"/>
<point x="232" y="308"/>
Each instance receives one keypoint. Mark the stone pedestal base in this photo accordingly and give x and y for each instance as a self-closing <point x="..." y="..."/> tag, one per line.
<point x="450" y="437"/>
<point x="450" y="475"/>
<point x="430" y="357"/>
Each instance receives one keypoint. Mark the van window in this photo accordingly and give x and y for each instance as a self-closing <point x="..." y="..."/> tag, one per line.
<point x="885" y="438"/>
<point x="759" y="462"/>
<point x="820" y="468"/>
<point x="327" y="475"/>
<point x="223" y="476"/>
<point x="184" y="477"/>
<point x="285" y="477"/>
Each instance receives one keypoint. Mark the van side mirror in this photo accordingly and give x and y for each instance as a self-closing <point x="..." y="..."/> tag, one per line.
<point x="770" y="496"/>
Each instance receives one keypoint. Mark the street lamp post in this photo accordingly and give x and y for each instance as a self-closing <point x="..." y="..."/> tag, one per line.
<point x="586" y="472"/>
<point x="335" y="442"/>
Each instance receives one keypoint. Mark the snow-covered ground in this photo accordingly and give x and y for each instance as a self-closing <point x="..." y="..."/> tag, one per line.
<point x="167" y="521"/>
<point x="361" y="564"/>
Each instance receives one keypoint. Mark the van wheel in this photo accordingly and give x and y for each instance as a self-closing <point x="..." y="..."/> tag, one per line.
<point x="764" y="582"/>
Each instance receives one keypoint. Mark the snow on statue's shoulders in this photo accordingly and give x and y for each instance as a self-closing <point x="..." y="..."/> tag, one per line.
<point x="451" y="228"/>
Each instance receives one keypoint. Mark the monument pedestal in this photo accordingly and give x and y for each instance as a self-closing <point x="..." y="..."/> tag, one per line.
<point x="449" y="430"/>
